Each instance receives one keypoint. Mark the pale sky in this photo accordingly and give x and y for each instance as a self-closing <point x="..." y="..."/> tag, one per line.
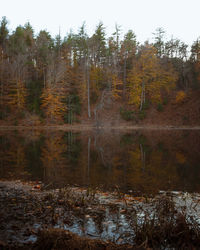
<point x="180" y="18"/>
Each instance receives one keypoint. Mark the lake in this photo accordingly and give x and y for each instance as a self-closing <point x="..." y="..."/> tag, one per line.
<point x="135" y="161"/>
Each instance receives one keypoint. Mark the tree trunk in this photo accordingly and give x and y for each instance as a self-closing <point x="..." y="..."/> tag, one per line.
<point x="98" y="107"/>
<point x="142" y="99"/>
<point x="88" y="88"/>
<point x="124" y="87"/>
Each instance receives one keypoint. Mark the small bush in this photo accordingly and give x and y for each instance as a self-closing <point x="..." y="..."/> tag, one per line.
<point x="93" y="97"/>
<point x="142" y="114"/>
<point x="165" y="101"/>
<point x="145" y="105"/>
<point x="180" y="96"/>
<point x="160" y="107"/>
<point x="127" y="115"/>
<point x="185" y="118"/>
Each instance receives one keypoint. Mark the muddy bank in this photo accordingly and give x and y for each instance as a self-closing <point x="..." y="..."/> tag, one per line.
<point x="32" y="217"/>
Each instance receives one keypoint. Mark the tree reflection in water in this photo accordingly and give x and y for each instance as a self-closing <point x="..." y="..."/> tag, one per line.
<point x="140" y="161"/>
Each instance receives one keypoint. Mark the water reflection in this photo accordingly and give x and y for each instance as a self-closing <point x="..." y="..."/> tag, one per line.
<point x="141" y="161"/>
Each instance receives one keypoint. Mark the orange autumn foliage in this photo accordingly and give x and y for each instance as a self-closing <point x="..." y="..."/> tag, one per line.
<point x="52" y="103"/>
<point x="116" y="86"/>
<point x="180" y="96"/>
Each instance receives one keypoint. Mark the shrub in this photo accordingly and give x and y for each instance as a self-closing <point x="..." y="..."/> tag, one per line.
<point x="165" y="101"/>
<point x="185" y="118"/>
<point x="160" y="107"/>
<point x="168" y="228"/>
<point x="180" y="96"/>
<point x="127" y="115"/>
<point x="145" y="105"/>
<point x="93" y="97"/>
<point x="142" y="114"/>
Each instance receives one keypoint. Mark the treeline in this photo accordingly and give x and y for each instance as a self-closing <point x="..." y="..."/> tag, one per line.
<point x="54" y="78"/>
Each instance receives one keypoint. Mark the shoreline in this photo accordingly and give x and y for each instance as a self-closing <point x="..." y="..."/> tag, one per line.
<point x="36" y="218"/>
<point x="90" y="127"/>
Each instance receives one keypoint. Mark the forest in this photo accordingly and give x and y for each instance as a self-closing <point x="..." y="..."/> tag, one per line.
<point x="54" y="80"/>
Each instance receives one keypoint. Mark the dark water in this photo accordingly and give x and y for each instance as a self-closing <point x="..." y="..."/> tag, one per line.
<point x="141" y="161"/>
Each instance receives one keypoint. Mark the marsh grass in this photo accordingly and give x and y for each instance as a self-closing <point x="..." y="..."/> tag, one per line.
<point x="167" y="227"/>
<point x="163" y="226"/>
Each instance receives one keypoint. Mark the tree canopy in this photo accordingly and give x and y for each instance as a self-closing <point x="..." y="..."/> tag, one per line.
<point x="46" y="76"/>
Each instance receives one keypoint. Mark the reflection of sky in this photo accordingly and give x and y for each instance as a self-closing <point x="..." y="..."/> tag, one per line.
<point x="118" y="227"/>
<point x="179" y="18"/>
<point x="114" y="226"/>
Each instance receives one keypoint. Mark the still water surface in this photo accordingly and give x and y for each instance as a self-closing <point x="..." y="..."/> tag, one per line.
<point x="135" y="161"/>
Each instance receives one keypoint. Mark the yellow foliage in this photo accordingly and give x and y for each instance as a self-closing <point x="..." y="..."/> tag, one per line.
<point x="135" y="158"/>
<point x="180" y="96"/>
<point x="96" y="77"/>
<point x="17" y="95"/>
<point x="116" y="84"/>
<point x="52" y="103"/>
<point x="135" y="86"/>
<point x="148" y="77"/>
